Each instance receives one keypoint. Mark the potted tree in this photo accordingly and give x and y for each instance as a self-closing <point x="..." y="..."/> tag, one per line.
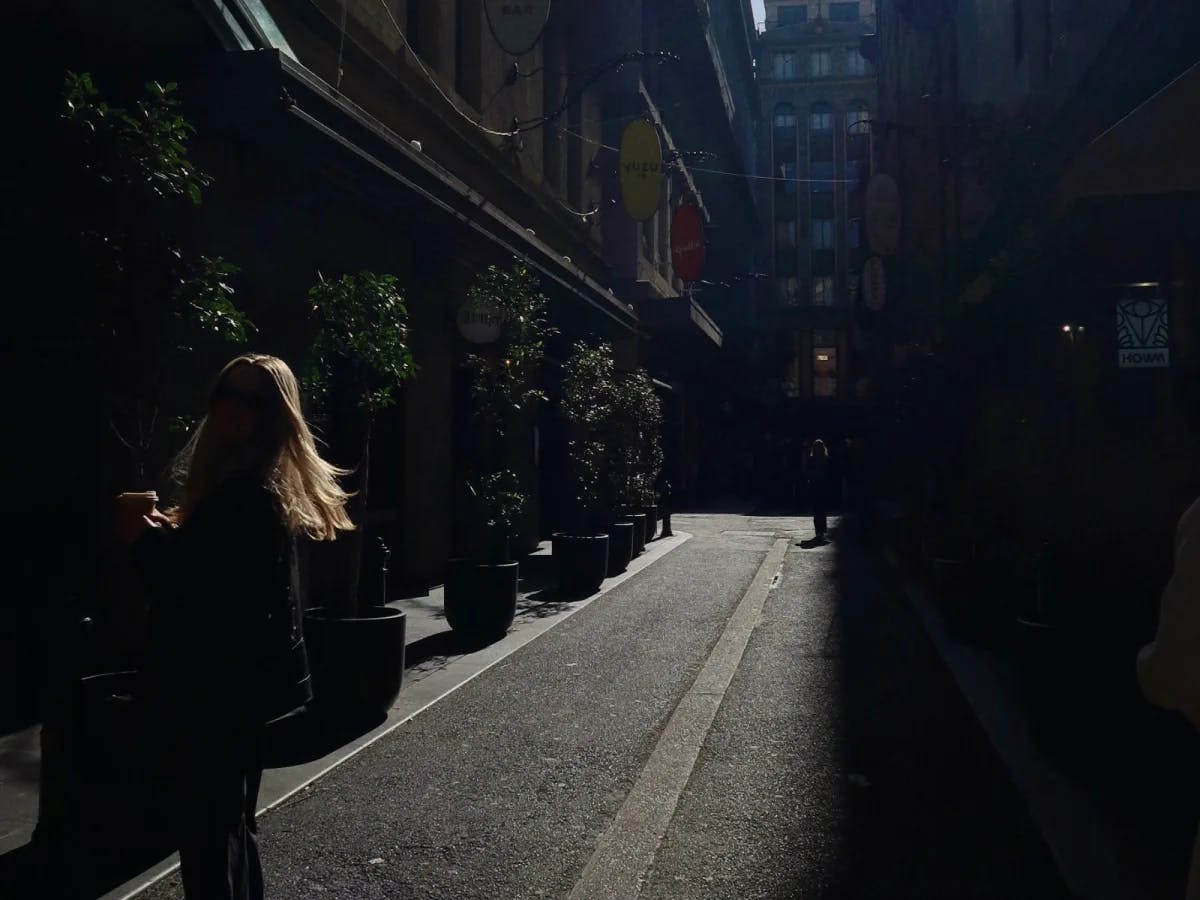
<point x="649" y="447"/>
<point x="145" y="308"/>
<point x="581" y="555"/>
<point x="637" y="459"/>
<point x="624" y="471"/>
<point x="481" y="584"/>
<point x="360" y="359"/>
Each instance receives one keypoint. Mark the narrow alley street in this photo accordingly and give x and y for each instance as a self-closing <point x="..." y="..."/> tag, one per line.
<point x="841" y="762"/>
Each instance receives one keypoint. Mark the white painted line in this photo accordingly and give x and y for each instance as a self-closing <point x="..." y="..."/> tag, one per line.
<point x="450" y="679"/>
<point x="626" y="850"/>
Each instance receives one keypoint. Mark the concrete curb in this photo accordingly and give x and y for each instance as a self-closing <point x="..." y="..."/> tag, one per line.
<point x="1061" y="811"/>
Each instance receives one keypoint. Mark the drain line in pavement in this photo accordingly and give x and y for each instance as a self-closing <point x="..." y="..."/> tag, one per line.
<point x="626" y="850"/>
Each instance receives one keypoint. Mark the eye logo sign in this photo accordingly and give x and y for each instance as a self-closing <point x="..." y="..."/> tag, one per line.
<point x="1143" y="341"/>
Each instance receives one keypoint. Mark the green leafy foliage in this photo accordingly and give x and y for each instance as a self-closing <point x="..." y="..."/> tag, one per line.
<point x="205" y="300"/>
<point x="145" y="147"/>
<point x="504" y="378"/>
<point x="589" y="403"/>
<point x="637" y="429"/>
<point x="361" y="339"/>
<point x="504" y="383"/>
<point x="501" y="498"/>
<point x="133" y="189"/>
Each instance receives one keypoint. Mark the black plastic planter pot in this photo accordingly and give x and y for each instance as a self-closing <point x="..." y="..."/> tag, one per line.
<point x="357" y="663"/>
<point x="639" y="532"/>
<point x="481" y="598"/>
<point x="651" y="522"/>
<point x="580" y="562"/>
<point x="620" y="547"/>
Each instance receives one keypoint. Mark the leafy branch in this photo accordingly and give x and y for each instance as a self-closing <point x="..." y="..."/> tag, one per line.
<point x="361" y="339"/>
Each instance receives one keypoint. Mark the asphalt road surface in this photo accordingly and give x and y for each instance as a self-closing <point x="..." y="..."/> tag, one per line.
<point x="746" y="718"/>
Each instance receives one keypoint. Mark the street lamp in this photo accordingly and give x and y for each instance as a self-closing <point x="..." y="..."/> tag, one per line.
<point x="1072" y="330"/>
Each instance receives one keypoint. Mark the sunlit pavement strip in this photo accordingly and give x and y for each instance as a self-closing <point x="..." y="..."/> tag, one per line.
<point x="279" y="785"/>
<point x="627" y="848"/>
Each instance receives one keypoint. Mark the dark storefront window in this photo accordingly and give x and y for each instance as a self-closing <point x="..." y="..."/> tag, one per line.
<point x="824" y="364"/>
<point x="843" y="12"/>
<point x="820" y="64"/>
<point x="822" y="175"/>
<point x="793" y="14"/>
<point x="822" y="291"/>
<point x="822" y="234"/>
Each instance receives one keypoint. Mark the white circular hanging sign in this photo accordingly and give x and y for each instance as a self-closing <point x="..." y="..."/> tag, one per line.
<point x="479" y="322"/>
<point x="517" y="25"/>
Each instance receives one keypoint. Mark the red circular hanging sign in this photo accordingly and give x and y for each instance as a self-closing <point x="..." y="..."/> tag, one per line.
<point x="687" y="242"/>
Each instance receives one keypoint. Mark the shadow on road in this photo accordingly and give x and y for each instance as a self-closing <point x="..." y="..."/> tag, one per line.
<point x="926" y="809"/>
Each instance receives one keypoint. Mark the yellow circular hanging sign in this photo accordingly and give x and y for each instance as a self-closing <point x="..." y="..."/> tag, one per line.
<point x="641" y="169"/>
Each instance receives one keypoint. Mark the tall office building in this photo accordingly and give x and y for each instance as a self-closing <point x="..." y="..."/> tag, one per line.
<point x="818" y="94"/>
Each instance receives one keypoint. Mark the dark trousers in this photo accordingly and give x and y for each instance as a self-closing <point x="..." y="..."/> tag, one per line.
<point x="218" y="835"/>
<point x="213" y="780"/>
<point x="820" y="506"/>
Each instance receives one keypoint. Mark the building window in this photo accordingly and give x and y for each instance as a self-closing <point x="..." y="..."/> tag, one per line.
<point x="784" y="65"/>
<point x="786" y="170"/>
<point x="822" y="290"/>
<point x="854" y="170"/>
<point x="785" y="121"/>
<point x="822" y="177"/>
<point x="822" y="234"/>
<point x="824" y="365"/>
<point x="785" y="237"/>
<point x="858" y="118"/>
<point x="854" y="234"/>
<point x="821" y="118"/>
<point x="843" y="12"/>
<point x="855" y="62"/>
<point x="783" y="142"/>
<point x="1018" y="29"/>
<point x="793" y="14"/>
<point x="820" y="64"/>
<point x="789" y="291"/>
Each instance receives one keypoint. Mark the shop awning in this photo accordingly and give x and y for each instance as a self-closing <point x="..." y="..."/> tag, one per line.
<point x="1152" y="150"/>
<point x="680" y="317"/>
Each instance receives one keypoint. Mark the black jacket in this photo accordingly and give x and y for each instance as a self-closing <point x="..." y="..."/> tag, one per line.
<point x="225" y="635"/>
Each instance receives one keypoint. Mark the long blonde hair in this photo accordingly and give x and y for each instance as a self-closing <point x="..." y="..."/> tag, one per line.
<point x="306" y="486"/>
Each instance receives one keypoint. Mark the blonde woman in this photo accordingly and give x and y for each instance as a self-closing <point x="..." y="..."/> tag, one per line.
<point x="226" y="651"/>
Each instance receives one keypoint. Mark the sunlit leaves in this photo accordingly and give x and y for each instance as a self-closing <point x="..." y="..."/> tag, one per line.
<point x="206" y="300"/>
<point x="504" y="378"/>
<point x="362" y="337"/>
<point x="588" y="406"/>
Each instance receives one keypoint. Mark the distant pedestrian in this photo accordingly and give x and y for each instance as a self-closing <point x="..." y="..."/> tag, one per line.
<point x="226" y="652"/>
<point x="1169" y="667"/>
<point x="817" y="473"/>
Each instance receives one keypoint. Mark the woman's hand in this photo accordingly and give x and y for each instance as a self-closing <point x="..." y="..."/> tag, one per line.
<point x="131" y="525"/>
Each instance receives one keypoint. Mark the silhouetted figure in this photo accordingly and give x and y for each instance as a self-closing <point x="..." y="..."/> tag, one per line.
<point x="1169" y="668"/>
<point x="817" y="474"/>
<point x="226" y="648"/>
<point x="664" y="507"/>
